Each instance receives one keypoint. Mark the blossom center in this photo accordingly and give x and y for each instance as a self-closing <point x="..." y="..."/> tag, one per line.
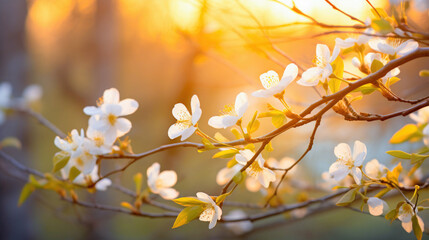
<point x="228" y="110"/>
<point x="320" y="62"/>
<point x="112" y="119"/>
<point x="269" y="80"/>
<point x="254" y="169"/>
<point x="99" y="141"/>
<point x="208" y="213"/>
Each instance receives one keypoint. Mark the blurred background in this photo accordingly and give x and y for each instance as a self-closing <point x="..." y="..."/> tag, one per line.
<point x="161" y="53"/>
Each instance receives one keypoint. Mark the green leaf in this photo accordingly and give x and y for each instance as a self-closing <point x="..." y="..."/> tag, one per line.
<point x="382" y="26"/>
<point x="416" y="228"/>
<point x="231" y="163"/>
<point x="236" y="133"/>
<point x="74" y="172"/>
<point x="187" y="215"/>
<point x="222" y="197"/>
<point x="418" y="158"/>
<point x="399" y="154"/>
<point x="391" y="215"/>
<point x="338" y="70"/>
<point x="253" y="124"/>
<point x="250" y="146"/>
<point x="348" y="197"/>
<point x="404" y="134"/>
<point x="25" y="193"/>
<point x="394" y="174"/>
<point x="10" y="142"/>
<point x="269" y="147"/>
<point x="229" y="153"/>
<point x="376" y="65"/>
<point x="424" y="73"/>
<point x="278" y="120"/>
<point x="60" y="160"/>
<point x="138" y="181"/>
<point x="392" y="81"/>
<point x="366" y="89"/>
<point x="188" y="201"/>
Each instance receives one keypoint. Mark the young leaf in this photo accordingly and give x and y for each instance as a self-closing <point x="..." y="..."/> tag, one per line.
<point x="382" y="26"/>
<point x="337" y="70"/>
<point x="60" y="160"/>
<point x="138" y="181"/>
<point x="416" y="228"/>
<point x="236" y="133"/>
<point x="376" y="65"/>
<point x="394" y="174"/>
<point x="391" y="215"/>
<point x="231" y="163"/>
<point x="424" y="73"/>
<point x="74" y="172"/>
<point x="187" y="215"/>
<point x="348" y="197"/>
<point x="25" y="193"/>
<point x="218" y="136"/>
<point x="207" y="143"/>
<point x="222" y="197"/>
<point x="238" y="177"/>
<point x="253" y="124"/>
<point x="404" y="134"/>
<point x="229" y="153"/>
<point x="188" y="201"/>
<point x="399" y="154"/>
<point x="10" y="142"/>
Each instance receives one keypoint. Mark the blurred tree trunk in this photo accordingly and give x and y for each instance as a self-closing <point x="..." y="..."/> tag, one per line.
<point x="14" y="222"/>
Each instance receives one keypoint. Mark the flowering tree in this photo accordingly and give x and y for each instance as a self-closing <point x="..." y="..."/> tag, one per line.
<point x="382" y="45"/>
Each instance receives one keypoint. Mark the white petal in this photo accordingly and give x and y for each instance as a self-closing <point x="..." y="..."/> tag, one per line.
<point x="311" y="77"/>
<point x="356" y="62"/>
<point x="376" y="206"/>
<point x="114" y="109"/>
<point x="323" y="53"/>
<point x="216" y="122"/>
<point x="128" y="106"/>
<point x="32" y="93"/>
<point x="357" y="174"/>
<point x="335" y="54"/>
<point x="267" y="176"/>
<point x="207" y="215"/>
<point x="111" y="96"/>
<point x="167" y="178"/>
<point x="407" y="47"/>
<point x="89" y="165"/>
<point x="338" y="171"/>
<point x="196" y="114"/>
<point x="343" y="151"/>
<point x="168" y="193"/>
<point x="289" y="74"/>
<point x="180" y="112"/>
<point x="241" y="104"/>
<point x="91" y="110"/>
<point x="175" y="130"/>
<point x="204" y="197"/>
<point x="103" y="184"/>
<point x="408" y="226"/>
<point x="263" y="93"/>
<point x="228" y="121"/>
<point x="195" y="103"/>
<point x="123" y="126"/>
<point x="359" y="153"/>
<point x="226" y="174"/>
<point x="344" y="43"/>
<point x="152" y="172"/>
<point x="386" y="48"/>
<point x="187" y="133"/>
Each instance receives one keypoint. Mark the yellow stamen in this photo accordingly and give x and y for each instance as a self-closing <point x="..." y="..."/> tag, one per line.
<point x="112" y="119"/>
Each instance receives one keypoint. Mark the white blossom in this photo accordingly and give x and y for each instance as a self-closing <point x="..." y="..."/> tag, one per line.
<point x="102" y="144"/>
<point x="426" y="135"/>
<point x="185" y="125"/>
<point x="32" y="93"/>
<point x="107" y="116"/>
<point x="393" y="48"/>
<point x="212" y="212"/>
<point x="323" y="69"/>
<point x="231" y="114"/>
<point x="257" y="169"/>
<point x="348" y="163"/>
<point x="273" y="85"/>
<point x="81" y="151"/>
<point x="83" y="179"/>
<point x="162" y="183"/>
<point x="405" y="214"/>
<point x="377" y="206"/>
<point x="241" y="227"/>
<point x="422" y="116"/>
<point x="376" y="170"/>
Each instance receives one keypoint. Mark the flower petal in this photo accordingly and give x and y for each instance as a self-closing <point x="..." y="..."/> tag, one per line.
<point x="376" y="206"/>
<point x="323" y="53"/>
<point x="204" y="197"/>
<point x="152" y="172"/>
<point x="359" y="153"/>
<point x="123" y="126"/>
<point x="168" y="193"/>
<point x="216" y="122"/>
<point x="187" y="133"/>
<point x="311" y="77"/>
<point x="338" y="171"/>
<point x="343" y="151"/>
<point x="289" y="74"/>
<point x="128" y="106"/>
<point x="168" y="178"/>
<point x="91" y="110"/>
<point x="175" y="130"/>
<point x="103" y="184"/>
<point x="407" y="47"/>
<point x="241" y="104"/>
<point x="357" y="174"/>
<point x="180" y="112"/>
<point x="111" y="96"/>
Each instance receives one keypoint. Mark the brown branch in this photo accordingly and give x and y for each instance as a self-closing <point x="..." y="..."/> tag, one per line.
<point x="341" y="11"/>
